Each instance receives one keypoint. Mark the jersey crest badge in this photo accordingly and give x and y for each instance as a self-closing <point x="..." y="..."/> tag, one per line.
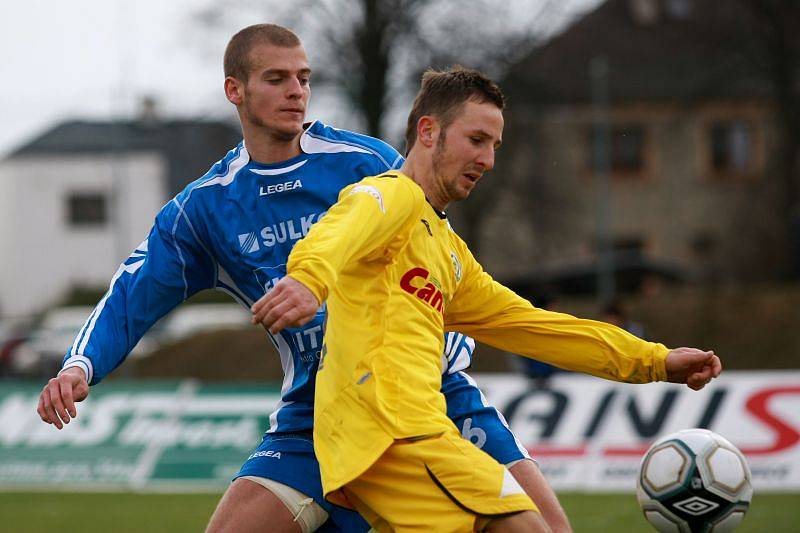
<point x="456" y="265"/>
<point x="370" y="190"/>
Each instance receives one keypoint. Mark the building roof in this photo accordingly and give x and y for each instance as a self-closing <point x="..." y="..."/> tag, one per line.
<point x="688" y="49"/>
<point x="189" y="146"/>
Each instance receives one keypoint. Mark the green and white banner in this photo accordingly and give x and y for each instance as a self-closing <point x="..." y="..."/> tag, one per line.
<point x="173" y="436"/>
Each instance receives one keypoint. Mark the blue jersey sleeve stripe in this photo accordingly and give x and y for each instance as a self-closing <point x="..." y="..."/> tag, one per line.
<point x="460" y="356"/>
<point x="182" y="213"/>
<point x="99" y="309"/>
<point x="194" y="234"/>
<point x="178" y="249"/>
<point x="230" y="168"/>
<point x="82" y="332"/>
<point x="397" y="162"/>
<point x="448" y="343"/>
<point x="353" y="144"/>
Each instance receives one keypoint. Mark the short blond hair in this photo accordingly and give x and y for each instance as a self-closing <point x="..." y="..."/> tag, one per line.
<point x="237" y="53"/>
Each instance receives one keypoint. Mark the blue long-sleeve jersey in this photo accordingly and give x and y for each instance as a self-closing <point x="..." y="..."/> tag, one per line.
<point x="232" y="230"/>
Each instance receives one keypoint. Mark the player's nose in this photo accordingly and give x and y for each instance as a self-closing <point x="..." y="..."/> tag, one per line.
<point x="486" y="158"/>
<point x="294" y="89"/>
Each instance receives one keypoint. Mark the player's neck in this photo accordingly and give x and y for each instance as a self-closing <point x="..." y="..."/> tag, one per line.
<point x="424" y="175"/>
<point x="265" y="147"/>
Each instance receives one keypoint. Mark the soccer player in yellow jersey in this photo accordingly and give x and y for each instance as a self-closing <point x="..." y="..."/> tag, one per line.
<point x="394" y="276"/>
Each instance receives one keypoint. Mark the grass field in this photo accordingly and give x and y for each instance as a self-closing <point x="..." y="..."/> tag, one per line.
<point x="130" y="512"/>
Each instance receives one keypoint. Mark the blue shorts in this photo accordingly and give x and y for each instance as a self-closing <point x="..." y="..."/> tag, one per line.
<point x="289" y="458"/>
<point x="478" y="422"/>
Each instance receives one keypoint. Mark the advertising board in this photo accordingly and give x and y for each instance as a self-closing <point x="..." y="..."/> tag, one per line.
<point x="586" y="433"/>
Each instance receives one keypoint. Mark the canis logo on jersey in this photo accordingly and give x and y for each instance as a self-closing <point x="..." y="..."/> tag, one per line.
<point x="248" y="242"/>
<point x="428" y="293"/>
<point x="372" y="191"/>
<point x="456" y="265"/>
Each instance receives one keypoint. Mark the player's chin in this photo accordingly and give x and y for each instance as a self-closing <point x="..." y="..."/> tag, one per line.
<point x="289" y="130"/>
<point x="466" y="189"/>
<point x="456" y="195"/>
<point x="294" y="121"/>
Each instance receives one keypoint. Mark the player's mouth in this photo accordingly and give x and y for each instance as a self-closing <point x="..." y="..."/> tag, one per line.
<point x="295" y="111"/>
<point x="472" y="177"/>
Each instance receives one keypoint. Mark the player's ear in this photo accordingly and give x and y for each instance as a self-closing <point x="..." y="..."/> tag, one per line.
<point x="234" y="90"/>
<point x="427" y="130"/>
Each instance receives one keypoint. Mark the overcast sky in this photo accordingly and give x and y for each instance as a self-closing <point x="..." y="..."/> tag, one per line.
<point x="93" y="58"/>
<point x="96" y="58"/>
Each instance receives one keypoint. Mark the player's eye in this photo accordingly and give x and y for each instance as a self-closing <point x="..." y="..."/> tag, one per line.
<point x="304" y="81"/>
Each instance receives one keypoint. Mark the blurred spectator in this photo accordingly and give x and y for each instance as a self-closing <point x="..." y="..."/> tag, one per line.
<point x="614" y="313"/>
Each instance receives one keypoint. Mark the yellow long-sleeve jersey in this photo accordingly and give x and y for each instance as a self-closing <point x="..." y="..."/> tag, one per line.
<point x="395" y="276"/>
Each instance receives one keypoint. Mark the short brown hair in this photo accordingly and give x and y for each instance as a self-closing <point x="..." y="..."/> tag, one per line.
<point x="237" y="53"/>
<point x="443" y="94"/>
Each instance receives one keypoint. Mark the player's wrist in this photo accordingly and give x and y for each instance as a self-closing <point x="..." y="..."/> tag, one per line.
<point x="76" y="368"/>
<point x="660" y="370"/>
<point x="317" y="290"/>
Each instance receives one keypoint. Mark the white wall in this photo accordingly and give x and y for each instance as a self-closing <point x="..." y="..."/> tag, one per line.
<point x="41" y="254"/>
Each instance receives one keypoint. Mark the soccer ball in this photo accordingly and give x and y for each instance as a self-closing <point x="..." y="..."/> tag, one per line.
<point x="694" y="481"/>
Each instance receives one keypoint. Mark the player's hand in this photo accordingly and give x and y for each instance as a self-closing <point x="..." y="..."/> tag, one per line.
<point x="57" y="400"/>
<point x="693" y="367"/>
<point x="288" y="304"/>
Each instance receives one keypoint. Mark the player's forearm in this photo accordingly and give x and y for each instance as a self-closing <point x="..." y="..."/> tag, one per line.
<point x="575" y="344"/>
<point x="154" y="279"/>
<point x="495" y="315"/>
<point x="587" y="350"/>
<point x="102" y="343"/>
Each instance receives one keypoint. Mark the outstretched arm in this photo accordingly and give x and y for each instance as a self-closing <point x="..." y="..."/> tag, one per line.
<point x="495" y="315"/>
<point x="165" y="269"/>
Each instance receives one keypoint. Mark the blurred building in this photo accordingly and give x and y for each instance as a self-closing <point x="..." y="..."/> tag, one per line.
<point x="691" y="125"/>
<point x="79" y="198"/>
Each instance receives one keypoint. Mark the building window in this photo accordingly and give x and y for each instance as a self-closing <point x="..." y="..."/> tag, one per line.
<point x="87" y="209"/>
<point x="730" y="147"/>
<point x="625" y="149"/>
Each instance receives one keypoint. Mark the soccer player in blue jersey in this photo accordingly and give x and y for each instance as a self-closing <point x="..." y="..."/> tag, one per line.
<point x="232" y="231"/>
